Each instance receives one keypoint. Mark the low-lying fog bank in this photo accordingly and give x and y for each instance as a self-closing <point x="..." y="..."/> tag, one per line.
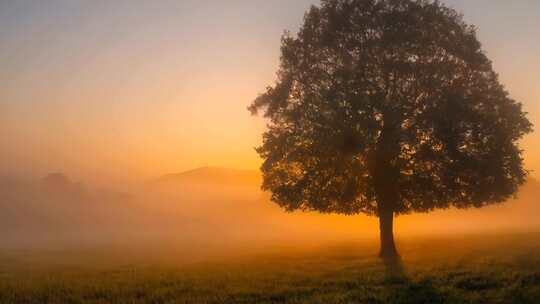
<point x="209" y="208"/>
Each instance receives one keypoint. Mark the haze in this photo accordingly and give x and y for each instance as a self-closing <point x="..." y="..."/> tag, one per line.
<point x="117" y="94"/>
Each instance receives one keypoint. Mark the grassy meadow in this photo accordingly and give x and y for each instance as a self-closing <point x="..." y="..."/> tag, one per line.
<point x="472" y="269"/>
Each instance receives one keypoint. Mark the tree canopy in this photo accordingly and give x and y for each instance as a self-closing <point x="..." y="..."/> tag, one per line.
<point x="388" y="104"/>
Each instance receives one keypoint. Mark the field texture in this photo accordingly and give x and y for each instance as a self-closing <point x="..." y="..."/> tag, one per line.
<point x="474" y="269"/>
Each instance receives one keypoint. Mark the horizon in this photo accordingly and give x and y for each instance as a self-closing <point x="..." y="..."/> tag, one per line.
<point x="203" y="169"/>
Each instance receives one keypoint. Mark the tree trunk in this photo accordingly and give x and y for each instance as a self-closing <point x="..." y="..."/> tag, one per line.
<point x="386" y="226"/>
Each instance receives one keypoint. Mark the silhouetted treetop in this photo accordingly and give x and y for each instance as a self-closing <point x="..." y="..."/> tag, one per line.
<point x="388" y="105"/>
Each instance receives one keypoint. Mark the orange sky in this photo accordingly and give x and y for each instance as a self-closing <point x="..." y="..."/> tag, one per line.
<point x="130" y="90"/>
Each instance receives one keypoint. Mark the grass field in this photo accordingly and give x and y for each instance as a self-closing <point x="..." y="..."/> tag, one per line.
<point x="473" y="269"/>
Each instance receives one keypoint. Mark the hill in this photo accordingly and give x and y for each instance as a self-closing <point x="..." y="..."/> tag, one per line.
<point x="210" y="176"/>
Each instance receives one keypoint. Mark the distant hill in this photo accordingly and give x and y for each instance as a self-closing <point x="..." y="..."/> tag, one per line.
<point x="60" y="183"/>
<point x="210" y="176"/>
<point x="55" y="208"/>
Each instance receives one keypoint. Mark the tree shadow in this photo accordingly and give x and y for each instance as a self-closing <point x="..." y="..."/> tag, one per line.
<point x="394" y="270"/>
<point x="400" y="289"/>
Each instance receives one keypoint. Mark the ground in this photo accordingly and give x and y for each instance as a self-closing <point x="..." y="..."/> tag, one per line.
<point x="472" y="269"/>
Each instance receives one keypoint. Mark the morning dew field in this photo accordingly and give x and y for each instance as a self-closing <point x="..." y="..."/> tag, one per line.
<point x="468" y="269"/>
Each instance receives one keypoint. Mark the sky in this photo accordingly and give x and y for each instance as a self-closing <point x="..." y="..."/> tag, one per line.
<point x="125" y="91"/>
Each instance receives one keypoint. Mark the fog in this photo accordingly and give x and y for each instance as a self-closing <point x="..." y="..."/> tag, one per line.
<point x="208" y="210"/>
<point x="111" y="94"/>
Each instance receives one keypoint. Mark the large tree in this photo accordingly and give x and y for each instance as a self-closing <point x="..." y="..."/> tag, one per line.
<point x="387" y="107"/>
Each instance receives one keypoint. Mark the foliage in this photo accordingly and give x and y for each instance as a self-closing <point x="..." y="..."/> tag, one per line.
<point x="388" y="102"/>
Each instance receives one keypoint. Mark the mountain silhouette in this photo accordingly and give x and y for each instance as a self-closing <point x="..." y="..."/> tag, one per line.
<point x="215" y="176"/>
<point x="56" y="179"/>
<point x="62" y="184"/>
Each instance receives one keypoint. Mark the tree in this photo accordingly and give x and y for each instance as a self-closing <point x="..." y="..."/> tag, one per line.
<point x="387" y="107"/>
